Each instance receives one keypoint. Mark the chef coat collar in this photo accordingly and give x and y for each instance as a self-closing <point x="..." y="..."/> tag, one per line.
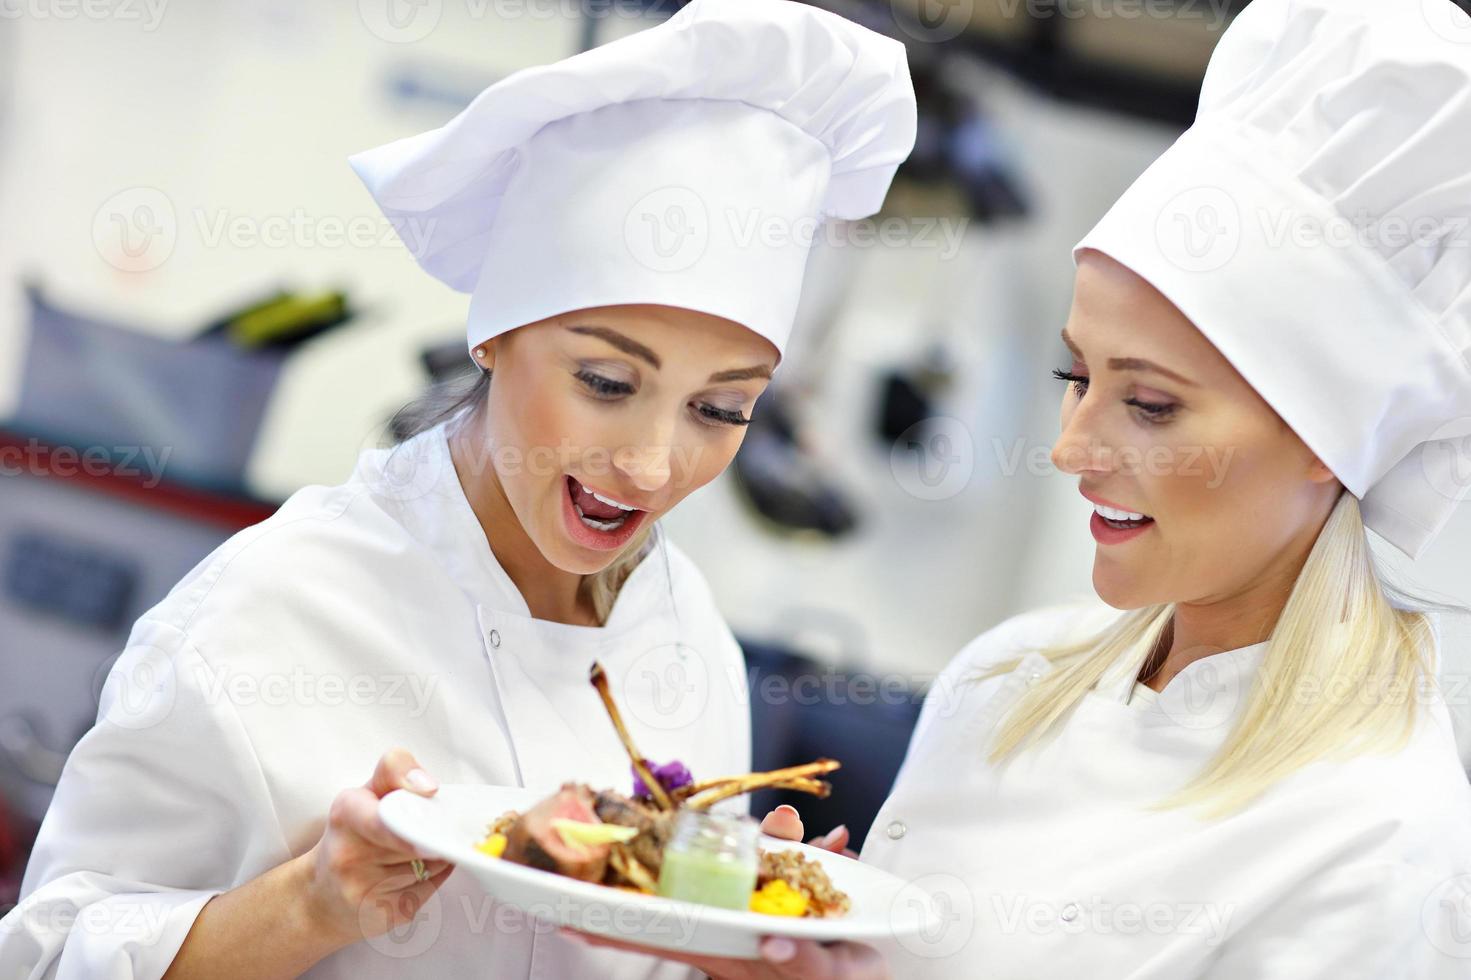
<point x="1234" y="669"/>
<point x="420" y="473"/>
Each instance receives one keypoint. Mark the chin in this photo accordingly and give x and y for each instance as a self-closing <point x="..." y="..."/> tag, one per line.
<point x="1117" y="590"/>
<point x="575" y="561"/>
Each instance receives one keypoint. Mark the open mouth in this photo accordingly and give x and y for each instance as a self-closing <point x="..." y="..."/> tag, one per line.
<point x="1121" y="520"/>
<point x="598" y="513"/>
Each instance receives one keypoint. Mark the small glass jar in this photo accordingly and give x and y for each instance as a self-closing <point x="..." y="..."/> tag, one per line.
<point x="711" y="860"/>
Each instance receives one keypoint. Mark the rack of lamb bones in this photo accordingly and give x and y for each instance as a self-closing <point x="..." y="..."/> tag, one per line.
<point x="605" y="837"/>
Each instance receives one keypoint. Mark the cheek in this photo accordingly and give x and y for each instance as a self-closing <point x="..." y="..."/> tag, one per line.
<point x="701" y="458"/>
<point x="532" y="423"/>
<point x="1232" y="494"/>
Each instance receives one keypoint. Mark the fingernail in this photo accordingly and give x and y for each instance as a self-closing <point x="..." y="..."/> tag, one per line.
<point x="778" y="950"/>
<point x="832" y="835"/>
<point x="421" y="781"/>
<point x="787" y="807"/>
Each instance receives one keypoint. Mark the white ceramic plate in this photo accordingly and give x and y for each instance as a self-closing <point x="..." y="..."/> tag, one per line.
<point x="885" y="909"/>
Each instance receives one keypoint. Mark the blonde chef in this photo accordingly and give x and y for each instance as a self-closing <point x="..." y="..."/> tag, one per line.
<point x="433" y="618"/>
<point x="1239" y="765"/>
<point x="1249" y="772"/>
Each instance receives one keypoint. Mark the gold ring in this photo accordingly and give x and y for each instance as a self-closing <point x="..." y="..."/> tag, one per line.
<point x="420" y="871"/>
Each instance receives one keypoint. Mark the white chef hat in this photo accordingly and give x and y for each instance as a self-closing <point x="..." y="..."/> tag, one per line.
<point x="1315" y="224"/>
<point x="689" y="164"/>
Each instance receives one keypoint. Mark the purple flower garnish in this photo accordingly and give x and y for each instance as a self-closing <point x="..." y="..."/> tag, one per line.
<point x="671" y="775"/>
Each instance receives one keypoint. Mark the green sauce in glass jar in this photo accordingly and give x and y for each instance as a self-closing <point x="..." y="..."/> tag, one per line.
<point x="711" y="860"/>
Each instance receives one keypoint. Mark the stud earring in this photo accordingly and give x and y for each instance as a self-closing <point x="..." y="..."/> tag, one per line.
<point x="480" y="352"/>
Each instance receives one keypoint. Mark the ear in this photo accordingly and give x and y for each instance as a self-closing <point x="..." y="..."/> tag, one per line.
<point x="484" y="354"/>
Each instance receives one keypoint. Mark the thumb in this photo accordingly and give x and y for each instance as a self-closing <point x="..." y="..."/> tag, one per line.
<point x="835" y="840"/>
<point x="398" y="769"/>
<point x="783" y="822"/>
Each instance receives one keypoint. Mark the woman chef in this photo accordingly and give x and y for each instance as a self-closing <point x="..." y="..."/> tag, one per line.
<point x="451" y="595"/>
<point x="1249" y="772"/>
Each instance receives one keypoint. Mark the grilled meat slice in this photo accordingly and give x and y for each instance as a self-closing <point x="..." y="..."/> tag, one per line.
<point x="534" y="842"/>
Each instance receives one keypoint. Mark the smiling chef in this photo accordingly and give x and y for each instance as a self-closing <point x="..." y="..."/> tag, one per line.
<point x="434" y="617"/>
<point x="1238" y="764"/>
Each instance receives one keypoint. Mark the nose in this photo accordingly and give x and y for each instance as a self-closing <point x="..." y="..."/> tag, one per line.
<point x="646" y="465"/>
<point x="1079" y="448"/>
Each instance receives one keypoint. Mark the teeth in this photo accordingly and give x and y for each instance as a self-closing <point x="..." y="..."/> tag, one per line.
<point x="610" y="503"/>
<point x="612" y="525"/>
<point x="1114" y="514"/>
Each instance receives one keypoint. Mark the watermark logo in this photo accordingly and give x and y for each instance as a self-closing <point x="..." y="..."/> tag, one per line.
<point x="413" y="923"/>
<point x="128" y="923"/>
<point x="1017" y="914"/>
<point x="667" y="688"/>
<point x="945" y="907"/>
<point x="408" y="471"/>
<point x="1446" y="917"/>
<point x="147" y="13"/>
<point x="934" y="459"/>
<point x="140" y="689"/>
<point x="1445" y="459"/>
<point x="400" y="21"/>
<point x="933" y="21"/>
<point x="1205" y="695"/>
<point x="668" y="230"/>
<point x="36" y="458"/>
<point x="136" y="229"/>
<point x="1447" y="19"/>
<point x="1199" y="230"/>
<point x="298" y="687"/>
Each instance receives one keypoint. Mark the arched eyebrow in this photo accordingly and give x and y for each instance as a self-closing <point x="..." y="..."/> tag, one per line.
<point x="742" y="374"/>
<point x="624" y="343"/>
<point x="635" y="349"/>
<point x="1129" y="363"/>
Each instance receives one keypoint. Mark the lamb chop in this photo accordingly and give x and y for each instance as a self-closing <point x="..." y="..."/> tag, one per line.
<point x="702" y="796"/>
<point x="537" y="837"/>
<point x="655" y="827"/>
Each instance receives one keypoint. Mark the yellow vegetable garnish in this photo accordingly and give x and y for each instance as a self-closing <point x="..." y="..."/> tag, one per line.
<point x="493" y="846"/>
<point x="778" y="898"/>
<point x="575" y="832"/>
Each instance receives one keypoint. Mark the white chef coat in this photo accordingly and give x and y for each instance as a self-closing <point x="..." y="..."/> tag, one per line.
<point x="358" y="618"/>
<point x="1050" y="867"/>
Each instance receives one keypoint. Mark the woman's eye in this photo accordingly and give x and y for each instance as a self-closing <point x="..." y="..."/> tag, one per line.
<point x="723" y="416"/>
<point x="1078" y="381"/>
<point x="1150" y="411"/>
<point x="1153" y="412"/>
<point x="604" y="387"/>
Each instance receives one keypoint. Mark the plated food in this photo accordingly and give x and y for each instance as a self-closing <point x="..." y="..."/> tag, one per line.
<point x="663" y="839"/>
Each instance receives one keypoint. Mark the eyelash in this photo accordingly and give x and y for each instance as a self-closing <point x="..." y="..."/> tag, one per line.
<point x="1153" y="412"/>
<point x="1078" y="382"/>
<point x="607" y="389"/>
<point x="604" y="387"/>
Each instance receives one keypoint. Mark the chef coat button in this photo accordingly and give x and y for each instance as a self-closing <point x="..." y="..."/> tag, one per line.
<point x="896" y="829"/>
<point x="1069" y="911"/>
<point x="495" y="638"/>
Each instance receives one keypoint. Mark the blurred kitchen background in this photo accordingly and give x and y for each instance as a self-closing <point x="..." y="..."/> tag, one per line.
<point x="189" y="266"/>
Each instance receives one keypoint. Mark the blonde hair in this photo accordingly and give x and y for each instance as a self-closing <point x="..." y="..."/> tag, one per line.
<point x="1342" y="675"/>
<point x="446" y="400"/>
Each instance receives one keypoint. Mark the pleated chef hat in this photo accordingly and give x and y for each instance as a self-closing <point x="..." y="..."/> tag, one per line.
<point x="1315" y="224"/>
<point x="687" y="165"/>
